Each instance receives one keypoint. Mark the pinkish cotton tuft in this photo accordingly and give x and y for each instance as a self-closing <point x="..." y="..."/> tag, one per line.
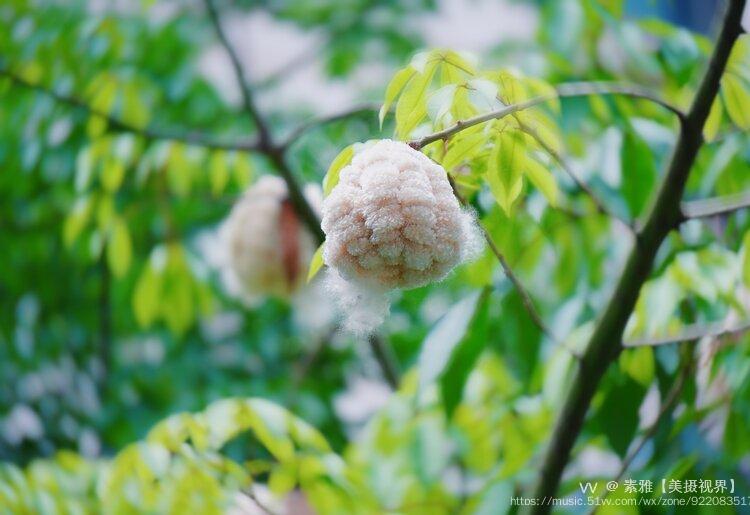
<point x="393" y="221"/>
<point x="269" y="247"/>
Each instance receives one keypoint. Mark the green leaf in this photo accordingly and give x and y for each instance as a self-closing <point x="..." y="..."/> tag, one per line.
<point x="638" y="173"/>
<point x="218" y="172"/>
<point x="331" y="178"/>
<point x="618" y="413"/>
<point x="76" y="220"/>
<point x="394" y="88"/>
<point x="412" y="104"/>
<point x="638" y="363"/>
<point x="135" y="111"/>
<point x="464" y="356"/>
<point x="543" y="180"/>
<point x="119" y="249"/>
<point x="711" y="127"/>
<point x="84" y="169"/>
<point x="443" y="338"/>
<point x="147" y="297"/>
<point x="746" y="259"/>
<point x="463" y="147"/>
<point x="316" y="263"/>
<point x="737" y="100"/>
<point x="113" y="173"/>
<point x="505" y="170"/>
<point x="243" y="170"/>
<point x="178" y="171"/>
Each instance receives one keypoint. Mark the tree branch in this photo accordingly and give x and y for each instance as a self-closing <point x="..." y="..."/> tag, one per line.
<point x="526" y="299"/>
<point x="599" y="203"/>
<point x="715" y="206"/>
<point x="693" y="332"/>
<point x="571" y="89"/>
<point x="265" y="142"/>
<point x="664" y="410"/>
<point x="335" y="117"/>
<point x="604" y="345"/>
<point x="119" y="125"/>
<point x="264" y="135"/>
<point x="386" y="360"/>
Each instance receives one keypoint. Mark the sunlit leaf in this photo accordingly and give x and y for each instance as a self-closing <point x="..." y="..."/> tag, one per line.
<point x="316" y="263"/>
<point x="505" y="170"/>
<point x="736" y="95"/>
<point x="542" y="179"/>
<point x="397" y="83"/>
<point x="119" y="249"/>
<point x="331" y="178"/>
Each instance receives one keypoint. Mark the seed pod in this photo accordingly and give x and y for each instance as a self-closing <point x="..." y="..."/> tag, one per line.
<point x="393" y="221"/>
<point x="269" y="247"/>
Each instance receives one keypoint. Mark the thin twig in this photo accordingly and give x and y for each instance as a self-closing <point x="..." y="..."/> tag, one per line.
<point x="264" y="135"/>
<point x="573" y="89"/>
<point x="317" y="122"/>
<point x="716" y="206"/>
<point x="119" y="125"/>
<point x="599" y="203"/>
<point x="526" y="299"/>
<point x="251" y="495"/>
<point x="693" y="332"/>
<point x="386" y="360"/>
<point x="275" y="153"/>
<point x="664" y="410"/>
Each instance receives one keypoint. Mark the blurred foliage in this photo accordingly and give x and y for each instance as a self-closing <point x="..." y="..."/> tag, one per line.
<point x="113" y="319"/>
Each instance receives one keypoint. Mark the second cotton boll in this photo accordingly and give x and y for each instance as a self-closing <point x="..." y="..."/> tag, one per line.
<point x="269" y="248"/>
<point x="393" y="221"/>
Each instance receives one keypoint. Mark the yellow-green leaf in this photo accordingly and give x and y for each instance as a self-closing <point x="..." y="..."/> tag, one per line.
<point x="218" y="172"/>
<point x="394" y="88"/>
<point x="711" y="127"/>
<point x="113" y="172"/>
<point x="178" y="171"/>
<point x="243" y="170"/>
<point x="316" y="263"/>
<point x="332" y="175"/>
<point x="543" y="180"/>
<point x="462" y="147"/>
<point x="504" y="170"/>
<point x="746" y="259"/>
<point x="76" y="220"/>
<point x="638" y="363"/>
<point x="147" y="297"/>
<point x="412" y="104"/>
<point x="120" y="249"/>
<point x="737" y="100"/>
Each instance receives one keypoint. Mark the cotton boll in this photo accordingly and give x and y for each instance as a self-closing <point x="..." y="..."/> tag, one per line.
<point x="268" y="246"/>
<point x="393" y="221"/>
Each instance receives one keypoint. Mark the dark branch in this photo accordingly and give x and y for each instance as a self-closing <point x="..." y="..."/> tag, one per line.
<point x="119" y="125"/>
<point x="604" y="345"/>
<point x="716" y="206"/>
<point x="335" y="117"/>
<point x="693" y="332"/>
<point x="265" y="142"/>
<point x="264" y="135"/>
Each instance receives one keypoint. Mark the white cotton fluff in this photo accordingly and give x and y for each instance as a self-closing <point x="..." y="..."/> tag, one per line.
<point x="269" y="248"/>
<point x="392" y="222"/>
